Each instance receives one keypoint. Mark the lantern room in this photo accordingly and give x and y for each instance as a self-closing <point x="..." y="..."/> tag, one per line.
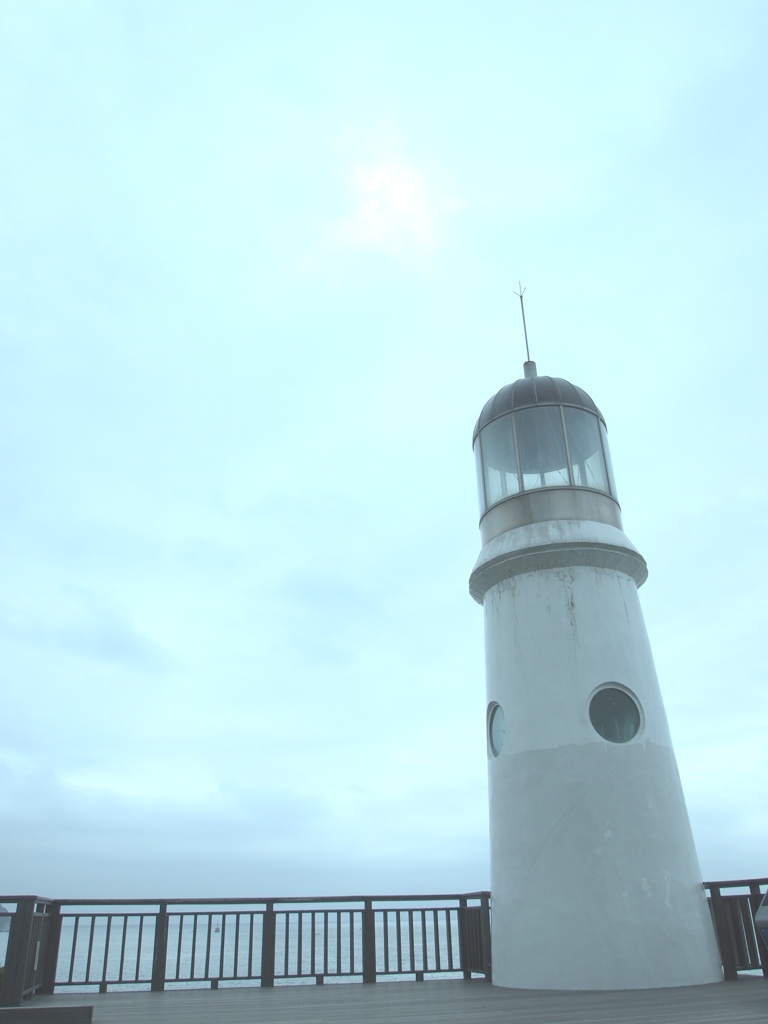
<point x="543" y="434"/>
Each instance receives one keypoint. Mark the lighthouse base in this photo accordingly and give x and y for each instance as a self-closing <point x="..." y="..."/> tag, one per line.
<point x="591" y="892"/>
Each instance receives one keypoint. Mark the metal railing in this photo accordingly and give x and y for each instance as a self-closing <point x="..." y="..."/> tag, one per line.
<point x="55" y="945"/>
<point x="733" y="906"/>
<point x="28" y="945"/>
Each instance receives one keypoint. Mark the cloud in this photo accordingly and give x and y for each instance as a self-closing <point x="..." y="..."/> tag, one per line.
<point x="86" y="627"/>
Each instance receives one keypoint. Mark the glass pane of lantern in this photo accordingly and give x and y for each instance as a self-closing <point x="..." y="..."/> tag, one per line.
<point x="499" y="460"/>
<point x="541" y="445"/>
<point x="608" y="464"/>
<point x="586" y="450"/>
<point x="479" y="471"/>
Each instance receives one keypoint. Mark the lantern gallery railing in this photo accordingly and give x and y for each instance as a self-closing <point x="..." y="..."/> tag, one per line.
<point x="56" y="945"/>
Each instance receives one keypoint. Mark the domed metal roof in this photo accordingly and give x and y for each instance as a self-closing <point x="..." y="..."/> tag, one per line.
<point x="530" y="391"/>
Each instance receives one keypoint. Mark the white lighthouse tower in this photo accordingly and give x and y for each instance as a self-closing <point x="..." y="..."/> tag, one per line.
<point x="595" y="883"/>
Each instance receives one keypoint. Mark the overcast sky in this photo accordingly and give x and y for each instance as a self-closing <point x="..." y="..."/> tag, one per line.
<point x="257" y="274"/>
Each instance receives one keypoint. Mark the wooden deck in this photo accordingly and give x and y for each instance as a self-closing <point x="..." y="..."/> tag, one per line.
<point x="431" y="1002"/>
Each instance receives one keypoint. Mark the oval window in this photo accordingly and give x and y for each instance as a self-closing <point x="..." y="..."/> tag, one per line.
<point x="614" y="715"/>
<point x="497" y="729"/>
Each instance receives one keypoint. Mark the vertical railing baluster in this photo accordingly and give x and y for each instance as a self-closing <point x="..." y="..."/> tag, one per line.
<point x="139" y="945"/>
<point x="122" y="948"/>
<point x="448" y="927"/>
<point x="192" y="964"/>
<point x="90" y="949"/>
<point x="179" y="941"/>
<point x="75" y="929"/>
<point x="236" y="962"/>
<point x="222" y="941"/>
<point x="209" y="929"/>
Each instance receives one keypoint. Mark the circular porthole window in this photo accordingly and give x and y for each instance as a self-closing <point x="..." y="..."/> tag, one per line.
<point x="614" y="715"/>
<point x="497" y="729"/>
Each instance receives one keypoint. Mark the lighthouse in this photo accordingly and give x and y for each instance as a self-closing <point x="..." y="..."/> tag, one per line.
<point x="595" y="882"/>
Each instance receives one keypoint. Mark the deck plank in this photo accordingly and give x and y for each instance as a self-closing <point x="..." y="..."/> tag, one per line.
<point x="446" y="1002"/>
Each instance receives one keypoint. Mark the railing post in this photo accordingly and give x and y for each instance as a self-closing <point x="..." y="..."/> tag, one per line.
<point x="268" y="930"/>
<point x="464" y="939"/>
<point x="160" y="953"/>
<point x="17" y="955"/>
<point x="475" y="937"/>
<point x="52" y="938"/>
<point x="485" y="932"/>
<point x="724" y="933"/>
<point x="369" y="943"/>
<point x="755" y="899"/>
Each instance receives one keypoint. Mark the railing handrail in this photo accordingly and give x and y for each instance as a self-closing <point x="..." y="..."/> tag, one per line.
<point x="242" y="900"/>
<point x="740" y="884"/>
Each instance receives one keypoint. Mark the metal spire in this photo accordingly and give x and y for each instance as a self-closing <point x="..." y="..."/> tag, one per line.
<point x="522" y="309"/>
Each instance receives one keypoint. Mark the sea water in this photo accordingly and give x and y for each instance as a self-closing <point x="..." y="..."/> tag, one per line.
<point x="229" y="945"/>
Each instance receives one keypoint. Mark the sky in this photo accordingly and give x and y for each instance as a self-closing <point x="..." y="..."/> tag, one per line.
<point x="258" y="266"/>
